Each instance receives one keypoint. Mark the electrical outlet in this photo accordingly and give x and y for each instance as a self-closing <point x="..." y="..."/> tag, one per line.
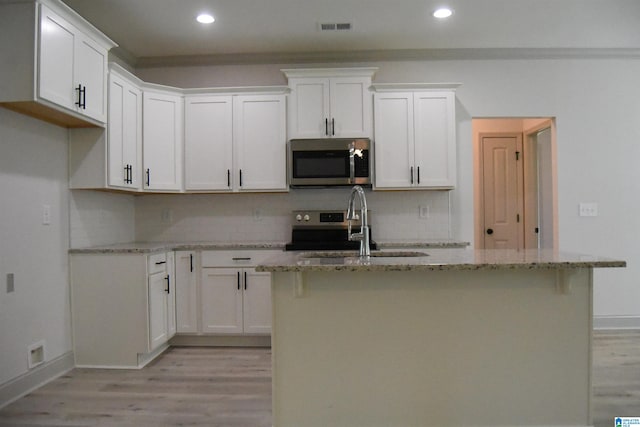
<point x="588" y="209"/>
<point x="46" y="214"/>
<point x="423" y="211"/>
<point x="10" y="283"/>
<point x="166" y="217"/>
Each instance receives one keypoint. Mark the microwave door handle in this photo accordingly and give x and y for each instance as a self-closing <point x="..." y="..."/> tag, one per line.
<point x="352" y="163"/>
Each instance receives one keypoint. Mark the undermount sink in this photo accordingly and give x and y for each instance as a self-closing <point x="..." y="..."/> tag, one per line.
<point x="351" y="254"/>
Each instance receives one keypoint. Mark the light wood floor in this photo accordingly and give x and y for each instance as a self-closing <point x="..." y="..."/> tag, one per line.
<point x="198" y="386"/>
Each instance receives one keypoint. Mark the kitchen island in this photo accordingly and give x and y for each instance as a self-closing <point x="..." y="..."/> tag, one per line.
<point x="456" y="338"/>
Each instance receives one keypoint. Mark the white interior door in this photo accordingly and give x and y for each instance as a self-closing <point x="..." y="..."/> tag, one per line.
<point x="502" y="197"/>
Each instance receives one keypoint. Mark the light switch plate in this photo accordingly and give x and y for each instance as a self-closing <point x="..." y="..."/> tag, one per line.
<point x="46" y="214"/>
<point x="588" y="209"/>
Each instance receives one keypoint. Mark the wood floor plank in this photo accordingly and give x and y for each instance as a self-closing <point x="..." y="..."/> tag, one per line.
<point x="229" y="387"/>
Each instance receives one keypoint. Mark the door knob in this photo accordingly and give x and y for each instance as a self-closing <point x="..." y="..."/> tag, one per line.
<point x="489" y="230"/>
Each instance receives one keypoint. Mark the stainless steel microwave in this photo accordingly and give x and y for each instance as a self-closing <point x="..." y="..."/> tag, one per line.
<point x="329" y="162"/>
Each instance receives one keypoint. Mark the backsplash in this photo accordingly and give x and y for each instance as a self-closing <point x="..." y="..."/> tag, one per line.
<point x="100" y="218"/>
<point x="265" y="217"/>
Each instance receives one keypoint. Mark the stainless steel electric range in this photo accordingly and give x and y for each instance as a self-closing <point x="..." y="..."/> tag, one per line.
<point x="323" y="230"/>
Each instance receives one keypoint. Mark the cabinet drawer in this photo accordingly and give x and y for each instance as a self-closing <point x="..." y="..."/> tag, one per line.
<point x="157" y="263"/>
<point x="236" y="258"/>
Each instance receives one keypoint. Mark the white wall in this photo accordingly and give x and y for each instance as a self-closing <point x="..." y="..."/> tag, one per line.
<point x="596" y="105"/>
<point x="33" y="173"/>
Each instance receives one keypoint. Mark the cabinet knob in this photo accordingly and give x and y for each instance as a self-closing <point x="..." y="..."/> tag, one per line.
<point x="489" y="231"/>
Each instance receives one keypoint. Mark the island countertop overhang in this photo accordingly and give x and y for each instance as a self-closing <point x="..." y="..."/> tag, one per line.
<point x="455" y="259"/>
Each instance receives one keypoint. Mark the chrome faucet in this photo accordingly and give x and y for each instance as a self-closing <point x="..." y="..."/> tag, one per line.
<point x="363" y="235"/>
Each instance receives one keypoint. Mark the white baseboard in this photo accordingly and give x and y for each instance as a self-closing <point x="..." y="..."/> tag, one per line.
<point x="37" y="377"/>
<point x="616" y="322"/>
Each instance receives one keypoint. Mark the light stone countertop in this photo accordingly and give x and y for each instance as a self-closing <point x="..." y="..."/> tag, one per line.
<point x="154" y="247"/>
<point x="437" y="259"/>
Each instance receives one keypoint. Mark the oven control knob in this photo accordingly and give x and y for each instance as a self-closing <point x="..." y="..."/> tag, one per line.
<point x="298" y="217"/>
<point x="306" y="218"/>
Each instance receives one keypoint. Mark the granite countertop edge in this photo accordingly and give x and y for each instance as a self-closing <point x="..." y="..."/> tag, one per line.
<point x="440" y="260"/>
<point x="440" y="267"/>
<point x="154" y="247"/>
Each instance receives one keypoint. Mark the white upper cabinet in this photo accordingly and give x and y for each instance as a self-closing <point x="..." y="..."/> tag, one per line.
<point x="327" y="103"/>
<point x="58" y="64"/>
<point x="162" y="131"/>
<point x="394" y="139"/>
<point x="235" y="142"/>
<point x="208" y="139"/>
<point x="90" y="75"/>
<point x="415" y="144"/>
<point x="260" y="142"/>
<point x="124" y="132"/>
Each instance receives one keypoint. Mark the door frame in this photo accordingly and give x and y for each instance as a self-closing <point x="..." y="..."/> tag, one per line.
<point x="531" y="179"/>
<point x="540" y="123"/>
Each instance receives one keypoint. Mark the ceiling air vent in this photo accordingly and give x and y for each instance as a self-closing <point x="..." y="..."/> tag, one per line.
<point x="335" y="26"/>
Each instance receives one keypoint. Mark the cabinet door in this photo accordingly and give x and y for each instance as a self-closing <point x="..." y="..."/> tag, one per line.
<point x="186" y="292"/>
<point x="171" y="295"/>
<point x="124" y="134"/>
<point x="57" y="47"/>
<point x="309" y="108"/>
<point x="90" y="72"/>
<point x="257" y="302"/>
<point x="394" y="144"/>
<point x="221" y="300"/>
<point x="435" y="149"/>
<point x="208" y="143"/>
<point x="162" y="141"/>
<point x="350" y="106"/>
<point x="260" y="142"/>
<point x="157" y="310"/>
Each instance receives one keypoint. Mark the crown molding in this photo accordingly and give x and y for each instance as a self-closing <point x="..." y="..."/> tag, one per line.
<point x="386" y="55"/>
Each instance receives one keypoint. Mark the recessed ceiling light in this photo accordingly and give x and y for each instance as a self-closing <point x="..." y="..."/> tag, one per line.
<point x="205" y="18"/>
<point x="443" y="12"/>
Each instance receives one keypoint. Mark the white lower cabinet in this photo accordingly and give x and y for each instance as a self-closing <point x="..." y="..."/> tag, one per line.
<point x="123" y="307"/>
<point x="236" y="301"/>
<point x="220" y="293"/>
<point x="162" y="299"/>
<point x="186" y="280"/>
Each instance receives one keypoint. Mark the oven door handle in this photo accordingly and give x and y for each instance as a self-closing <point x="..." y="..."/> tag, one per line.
<point x="352" y="162"/>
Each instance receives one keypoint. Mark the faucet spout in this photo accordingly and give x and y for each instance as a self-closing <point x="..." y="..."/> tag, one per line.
<point x="363" y="235"/>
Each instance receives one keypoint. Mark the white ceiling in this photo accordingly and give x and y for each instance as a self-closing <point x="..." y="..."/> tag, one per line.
<point x="157" y="31"/>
